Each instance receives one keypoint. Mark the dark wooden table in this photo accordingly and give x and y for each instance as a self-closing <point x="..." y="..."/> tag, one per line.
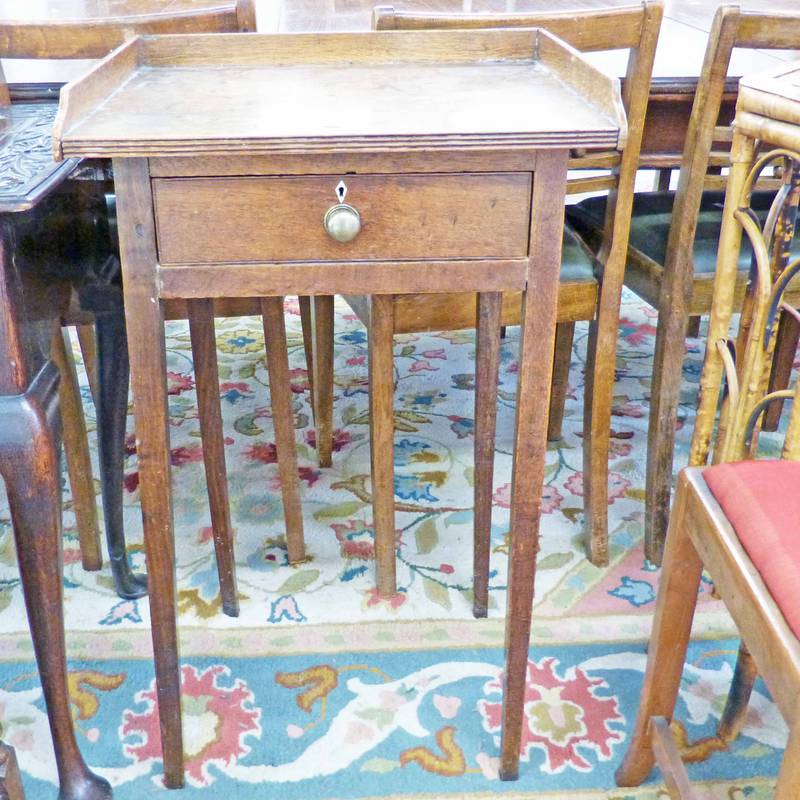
<point x="47" y="239"/>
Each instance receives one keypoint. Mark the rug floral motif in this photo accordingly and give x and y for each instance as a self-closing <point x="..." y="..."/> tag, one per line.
<point x="286" y="700"/>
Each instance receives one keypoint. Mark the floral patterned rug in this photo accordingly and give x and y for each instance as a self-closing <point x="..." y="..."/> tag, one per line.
<point x="286" y="700"/>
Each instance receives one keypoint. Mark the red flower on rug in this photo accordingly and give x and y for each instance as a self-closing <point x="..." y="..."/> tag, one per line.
<point x="563" y="716"/>
<point x="618" y="485"/>
<point x="216" y="722"/>
<point x="551" y="497"/>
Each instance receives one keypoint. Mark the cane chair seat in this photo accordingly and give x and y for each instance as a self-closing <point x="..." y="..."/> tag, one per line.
<point x="761" y="500"/>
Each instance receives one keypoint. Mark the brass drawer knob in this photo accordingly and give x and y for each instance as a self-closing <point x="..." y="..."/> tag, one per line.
<point x="342" y="222"/>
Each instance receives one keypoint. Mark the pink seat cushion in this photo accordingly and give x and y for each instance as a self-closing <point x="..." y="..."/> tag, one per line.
<point x="761" y="499"/>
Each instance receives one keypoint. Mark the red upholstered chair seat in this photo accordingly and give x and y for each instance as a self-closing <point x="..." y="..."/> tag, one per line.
<point x="761" y="499"/>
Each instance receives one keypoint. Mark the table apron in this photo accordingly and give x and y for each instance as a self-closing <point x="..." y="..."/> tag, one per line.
<point x="361" y="278"/>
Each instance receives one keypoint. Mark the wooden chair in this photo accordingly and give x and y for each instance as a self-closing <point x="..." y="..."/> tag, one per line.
<point x="708" y="529"/>
<point x="10" y="782"/>
<point x="590" y="288"/>
<point x="99" y="315"/>
<point x="673" y="243"/>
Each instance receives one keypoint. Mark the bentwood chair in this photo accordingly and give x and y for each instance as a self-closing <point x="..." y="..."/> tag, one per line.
<point x="590" y="287"/>
<point x="98" y="311"/>
<point x="674" y="238"/>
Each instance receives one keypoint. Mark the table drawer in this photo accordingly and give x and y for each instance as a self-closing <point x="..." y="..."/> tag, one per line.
<point x="433" y="216"/>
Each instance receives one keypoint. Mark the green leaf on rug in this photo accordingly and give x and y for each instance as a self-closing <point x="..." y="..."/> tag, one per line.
<point x="437" y="593"/>
<point x="379" y="765"/>
<point x="755" y="750"/>
<point x="408" y="350"/>
<point x="469" y="476"/>
<point x="7" y="552"/>
<point x="572" y="514"/>
<point x="346" y="509"/>
<point x="298" y="581"/>
<point x="426" y="536"/>
<point x="247" y="371"/>
<point x="246" y="426"/>
<point x="554" y="560"/>
<point x="407" y="421"/>
<point x="107" y="582"/>
<point x="349" y="413"/>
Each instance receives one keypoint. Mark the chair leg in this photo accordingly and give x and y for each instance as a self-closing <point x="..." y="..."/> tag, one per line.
<point x="672" y="626"/>
<point x="788" y="787"/>
<point x="664" y="394"/>
<point x="381" y="408"/>
<point x="29" y="463"/>
<point x="562" y="358"/>
<point x="307" y="325"/>
<point x="487" y="364"/>
<point x="693" y="326"/>
<point x="283" y="421"/>
<point x="782" y="363"/>
<point x="112" y="417"/>
<point x="76" y="447"/>
<point x="322" y="366"/>
<point x="744" y="677"/>
<point x="204" y="354"/>
<point x="88" y="345"/>
<point x="10" y="781"/>
<point x="597" y="401"/>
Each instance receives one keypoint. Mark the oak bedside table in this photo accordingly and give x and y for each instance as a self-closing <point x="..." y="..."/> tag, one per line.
<point x="373" y="164"/>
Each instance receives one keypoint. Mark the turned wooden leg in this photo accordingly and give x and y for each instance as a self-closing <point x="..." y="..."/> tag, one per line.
<point x="782" y="363"/>
<point x="537" y="341"/>
<point x="29" y="463"/>
<point x="562" y="358"/>
<point x="322" y="366"/>
<point x="112" y="417"/>
<point x="283" y="419"/>
<point x="672" y="626"/>
<point x="76" y="447"/>
<point x="88" y="345"/>
<point x="10" y="781"/>
<point x="204" y="355"/>
<point x="381" y="427"/>
<point x="487" y="364"/>
<point x="307" y="325"/>
<point x="148" y="359"/>
<point x="744" y="677"/>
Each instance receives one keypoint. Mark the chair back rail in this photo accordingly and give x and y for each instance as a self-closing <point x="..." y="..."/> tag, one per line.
<point x="731" y="28"/>
<point x="634" y="28"/>
<point x="96" y="38"/>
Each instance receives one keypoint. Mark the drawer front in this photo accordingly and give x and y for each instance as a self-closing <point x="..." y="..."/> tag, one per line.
<point x="434" y="216"/>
